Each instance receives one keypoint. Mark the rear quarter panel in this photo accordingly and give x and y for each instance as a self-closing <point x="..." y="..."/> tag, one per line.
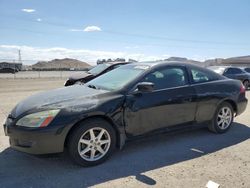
<point x="211" y="94"/>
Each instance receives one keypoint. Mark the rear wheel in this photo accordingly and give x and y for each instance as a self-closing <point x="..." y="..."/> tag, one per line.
<point x="223" y="118"/>
<point x="92" y="142"/>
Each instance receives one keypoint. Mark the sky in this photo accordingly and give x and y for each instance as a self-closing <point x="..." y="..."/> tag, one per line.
<point x="140" y="29"/>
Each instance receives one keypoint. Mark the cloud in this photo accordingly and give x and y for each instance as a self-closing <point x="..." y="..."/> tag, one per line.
<point x="28" y="10"/>
<point x="31" y="54"/>
<point x="132" y="47"/>
<point x="92" y="28"/>
<point x="39" y="19"/>
<point x="87" y="29"/>
<point x="76" y="30"/>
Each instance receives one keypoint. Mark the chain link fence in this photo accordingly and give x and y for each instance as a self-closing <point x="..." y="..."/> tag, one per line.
<point x="37" y="74"/>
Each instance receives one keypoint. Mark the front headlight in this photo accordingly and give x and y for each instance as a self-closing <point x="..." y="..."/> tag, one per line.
<point x="39" y="119"/>
<point x="65" y="83"/>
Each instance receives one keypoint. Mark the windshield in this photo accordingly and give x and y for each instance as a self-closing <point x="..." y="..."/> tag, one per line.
<point x="117" y="78"/>
<point x="99" y="68"/>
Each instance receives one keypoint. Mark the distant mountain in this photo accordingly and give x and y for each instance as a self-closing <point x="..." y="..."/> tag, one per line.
<point x="184" y="60"/>
<point x="73" y="64"/>
<point x="237" y="60"/>
<point x="61" y="64"/>
<point x="176" y="59"/>
<point x="234" y="61"/>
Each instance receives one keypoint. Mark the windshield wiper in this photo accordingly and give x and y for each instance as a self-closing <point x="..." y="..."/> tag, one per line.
<point x="92" y="86"/>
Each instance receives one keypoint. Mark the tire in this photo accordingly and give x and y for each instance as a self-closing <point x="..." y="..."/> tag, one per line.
<point x="246" y="84"/>
<point x="84" y="139"/>
<point x="221" y="122"/>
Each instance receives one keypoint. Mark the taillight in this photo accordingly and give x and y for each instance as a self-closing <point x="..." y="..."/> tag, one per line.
<point x="242" y="88"/>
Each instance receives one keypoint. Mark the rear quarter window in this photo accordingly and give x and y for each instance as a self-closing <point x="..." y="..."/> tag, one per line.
<point x="202" y="75"/>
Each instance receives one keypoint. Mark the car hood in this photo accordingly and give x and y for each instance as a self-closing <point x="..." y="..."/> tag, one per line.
<point x="59" y="98"/>
<point x="80" y="75"/>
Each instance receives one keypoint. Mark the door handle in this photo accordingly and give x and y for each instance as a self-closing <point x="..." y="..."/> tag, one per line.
<point x="189" y="99"/>
<point x="185" y="98"/>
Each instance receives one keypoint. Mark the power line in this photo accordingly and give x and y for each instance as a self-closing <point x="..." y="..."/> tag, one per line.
<point x="11" y="59"/>
<point x="149" y="44"/>
<point x="142" y="35"/>
<point x="175" y="39"/>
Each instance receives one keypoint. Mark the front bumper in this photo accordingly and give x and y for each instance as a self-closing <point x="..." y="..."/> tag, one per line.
<point x="35" y="141"/>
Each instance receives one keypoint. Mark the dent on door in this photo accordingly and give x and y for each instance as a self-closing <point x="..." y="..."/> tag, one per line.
<point x="155" y="110"/>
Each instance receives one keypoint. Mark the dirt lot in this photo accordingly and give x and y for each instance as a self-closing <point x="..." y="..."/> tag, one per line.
<point x="188" y="159"/>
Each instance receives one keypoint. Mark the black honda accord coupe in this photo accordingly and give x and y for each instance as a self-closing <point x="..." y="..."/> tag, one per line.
<point x="91" y="120"/>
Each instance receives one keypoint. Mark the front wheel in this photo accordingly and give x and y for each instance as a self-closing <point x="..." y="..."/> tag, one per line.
<point x="222" y="119"/>
<point x="92" y="142"/>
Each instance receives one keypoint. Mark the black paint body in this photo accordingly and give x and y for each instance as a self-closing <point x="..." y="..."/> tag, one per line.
<point x="130" y="113"/>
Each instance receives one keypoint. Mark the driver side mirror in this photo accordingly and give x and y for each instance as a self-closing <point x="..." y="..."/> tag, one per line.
<point x="145" y="87"/>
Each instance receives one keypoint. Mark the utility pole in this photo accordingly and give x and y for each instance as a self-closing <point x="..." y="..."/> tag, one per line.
<point x="19" y="56"/>
<point x="14" y="69"/>
<point x="61" y="70"/>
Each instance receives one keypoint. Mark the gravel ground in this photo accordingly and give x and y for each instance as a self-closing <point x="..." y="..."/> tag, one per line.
<point x="187" y="159"/>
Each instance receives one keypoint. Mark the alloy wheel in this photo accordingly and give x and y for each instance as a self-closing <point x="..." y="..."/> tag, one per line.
<point x="224" y="118"/>
<point x="94" y="144"/>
